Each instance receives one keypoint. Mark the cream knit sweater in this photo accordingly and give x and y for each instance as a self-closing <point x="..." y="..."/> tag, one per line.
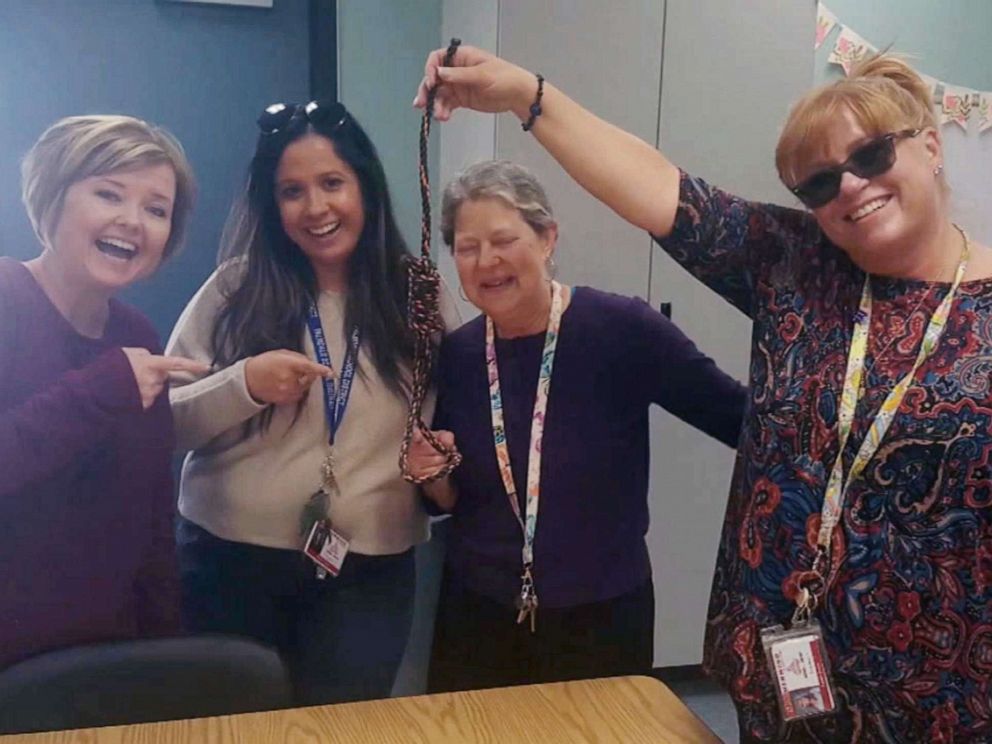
<point x="254" y="489"/>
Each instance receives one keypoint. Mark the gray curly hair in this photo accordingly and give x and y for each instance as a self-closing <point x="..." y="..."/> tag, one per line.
<point x="497" y="179"/>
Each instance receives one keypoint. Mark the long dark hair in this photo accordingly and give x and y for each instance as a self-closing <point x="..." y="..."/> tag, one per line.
<point x="266" y="308"/>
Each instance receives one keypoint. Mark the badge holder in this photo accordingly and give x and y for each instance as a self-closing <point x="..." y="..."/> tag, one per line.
<point x="326" y="548"/>
<point x="324" y="545"/>
<point x="798" y="660"/>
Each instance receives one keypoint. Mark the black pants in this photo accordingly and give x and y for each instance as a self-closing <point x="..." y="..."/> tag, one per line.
<point x="343" y="638"/>
<point x="478" y="643"/>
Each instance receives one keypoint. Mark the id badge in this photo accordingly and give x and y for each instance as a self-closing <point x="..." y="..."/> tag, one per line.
<point x="798" y="661"/>
<point x="326" y="547"/>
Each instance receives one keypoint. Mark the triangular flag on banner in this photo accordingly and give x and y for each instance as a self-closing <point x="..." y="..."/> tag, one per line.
<point x="984" y="111"/>
<point x="849" y="49"/>
<point x="952" y="103"/>
<point x="955" y="106"/>
<point x="825" y="22"/>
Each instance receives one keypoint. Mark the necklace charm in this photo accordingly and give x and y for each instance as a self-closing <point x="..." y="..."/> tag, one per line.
<point x="527" y="608"/>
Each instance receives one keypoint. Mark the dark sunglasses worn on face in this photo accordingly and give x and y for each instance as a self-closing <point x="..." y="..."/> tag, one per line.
<point x="281" y="116"/>
<point x="871" y="159"/>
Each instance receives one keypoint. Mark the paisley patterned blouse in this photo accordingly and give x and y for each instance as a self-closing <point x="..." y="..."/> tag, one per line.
<point x="908" y="611"/>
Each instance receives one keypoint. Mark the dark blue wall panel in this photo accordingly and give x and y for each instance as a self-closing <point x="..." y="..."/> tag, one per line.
<point x="203" y="71"/>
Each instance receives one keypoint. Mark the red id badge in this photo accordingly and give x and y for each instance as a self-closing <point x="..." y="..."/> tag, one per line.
<point x="798" y="661"/>
<point x="326" y="547"/>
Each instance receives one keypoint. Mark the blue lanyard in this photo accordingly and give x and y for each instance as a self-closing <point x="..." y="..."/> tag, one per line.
<point x="335" y="400"/>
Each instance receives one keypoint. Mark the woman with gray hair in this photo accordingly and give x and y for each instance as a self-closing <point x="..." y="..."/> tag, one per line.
<point x="86" y="435"/>
<point x="546" y="397"/>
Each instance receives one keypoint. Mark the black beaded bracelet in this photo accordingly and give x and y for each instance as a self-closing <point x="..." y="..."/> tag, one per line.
<point x="535" y="108"/>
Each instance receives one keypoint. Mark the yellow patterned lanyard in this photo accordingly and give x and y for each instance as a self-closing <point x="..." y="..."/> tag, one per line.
<point x="833" y="499"/>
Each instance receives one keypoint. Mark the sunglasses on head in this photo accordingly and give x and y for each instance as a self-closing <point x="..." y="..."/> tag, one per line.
<point x="282" y="116"/>
<point x="871" y="159"/>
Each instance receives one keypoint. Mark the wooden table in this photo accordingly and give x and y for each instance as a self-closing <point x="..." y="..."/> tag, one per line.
<point x="622" y="709"/>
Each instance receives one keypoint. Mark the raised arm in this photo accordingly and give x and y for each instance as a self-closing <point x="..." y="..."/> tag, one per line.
<point x="620" y="170"/>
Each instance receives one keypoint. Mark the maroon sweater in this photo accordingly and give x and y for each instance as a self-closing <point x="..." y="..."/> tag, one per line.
<point x="86" y="501"/>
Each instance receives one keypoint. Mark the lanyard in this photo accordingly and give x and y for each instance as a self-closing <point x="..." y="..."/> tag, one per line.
<point x="528" y="521"/>
<point x="335" y="399"/>
<point x="837" y="485"/>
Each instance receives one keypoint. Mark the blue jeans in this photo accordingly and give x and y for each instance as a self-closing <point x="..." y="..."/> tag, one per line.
<point x="343" y="638"/>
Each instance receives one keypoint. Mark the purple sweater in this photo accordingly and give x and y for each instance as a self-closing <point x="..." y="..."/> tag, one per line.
<point x="86" y="501"/>
<point x="616" y="356"/>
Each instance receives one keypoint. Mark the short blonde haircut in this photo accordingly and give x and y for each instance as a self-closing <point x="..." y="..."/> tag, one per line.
<point x="79" y="147"/>
<point x="507" y="181"/>
<point x="882" y="92"/>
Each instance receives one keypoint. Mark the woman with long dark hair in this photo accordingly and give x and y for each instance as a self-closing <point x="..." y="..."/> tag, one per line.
<point x="297" y="528"/>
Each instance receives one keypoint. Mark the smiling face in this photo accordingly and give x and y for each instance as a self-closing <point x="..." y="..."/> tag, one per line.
<point x="320" y="206"/>
<point x="501" y="261"/>
<point x="113" y="228"/>
<point x="880" y="221"/>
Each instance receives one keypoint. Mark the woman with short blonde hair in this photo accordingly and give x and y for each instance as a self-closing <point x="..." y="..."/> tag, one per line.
<point x="79" y="147"/>
<point x="86" y="435"/>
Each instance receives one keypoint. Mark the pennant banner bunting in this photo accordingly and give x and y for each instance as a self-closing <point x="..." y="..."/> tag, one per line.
<point x="825" y="22"/>
<point x="984" y="112"/>
<point x="849" y="49"/>
<point x="954" y="104"/>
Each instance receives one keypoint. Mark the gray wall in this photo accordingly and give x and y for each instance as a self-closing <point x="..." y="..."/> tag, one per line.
<point x="567" y="42"/>
<point x="382" y="45"/>
<point x="202" y="71"/>
<point x="731" y="69"/>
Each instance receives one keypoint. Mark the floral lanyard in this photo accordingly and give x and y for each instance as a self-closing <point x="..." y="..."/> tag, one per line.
<point x="527" y="601"/>
<point x="833" y="499"/>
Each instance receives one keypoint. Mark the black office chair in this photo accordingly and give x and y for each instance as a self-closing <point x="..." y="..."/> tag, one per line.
<point x="139" y="681"/>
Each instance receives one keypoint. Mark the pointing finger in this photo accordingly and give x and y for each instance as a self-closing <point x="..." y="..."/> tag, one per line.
<point x="306" y="366"/>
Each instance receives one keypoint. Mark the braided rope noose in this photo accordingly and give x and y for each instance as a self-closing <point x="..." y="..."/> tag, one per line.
<point x="423" y="310"/>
